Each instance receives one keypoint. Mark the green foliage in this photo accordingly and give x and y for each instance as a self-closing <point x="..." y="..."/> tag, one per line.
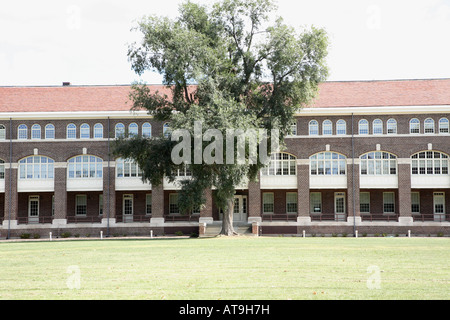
<point x="229" y="67"/>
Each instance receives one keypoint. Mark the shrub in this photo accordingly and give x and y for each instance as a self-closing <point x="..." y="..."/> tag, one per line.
<point x="25" y="236"/>
<point x="179" y="233"/>
<point x="66" y="234"/>
<point x="36" y="236"/>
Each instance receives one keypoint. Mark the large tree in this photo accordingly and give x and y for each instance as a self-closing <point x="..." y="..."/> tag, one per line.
<point x="228" y="66"/>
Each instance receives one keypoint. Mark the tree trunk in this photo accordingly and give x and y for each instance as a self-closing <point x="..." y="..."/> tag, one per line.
<point x="227" y="221"/>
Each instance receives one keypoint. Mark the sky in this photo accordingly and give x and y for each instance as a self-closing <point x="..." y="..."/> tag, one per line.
<point x="85" y="42"/>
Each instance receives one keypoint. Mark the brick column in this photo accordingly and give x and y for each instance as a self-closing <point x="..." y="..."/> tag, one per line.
<point x="353" y="191"/>
<point x="404" y="193"/>
<point x="303" y="193"/>
<point x="254" y="201"/>
<point x="157" y="205"/>
<point x="60" y="204"/>
<point x="11" y="198"/>
<point x="206" y="214"/>
<point x="109" y="194"/>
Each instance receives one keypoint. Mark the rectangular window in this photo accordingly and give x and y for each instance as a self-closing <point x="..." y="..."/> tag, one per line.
<point x="388" y="202"/>
<point x="100" y="205"/>
<point x="316" y="202"/>
<point x="415" y="202"/>
<point x="148" y="204"/>
<point x="173" y="203"/>
<point x="364" y="202"/>
<point x="80" y="205"/>
<point x="439" y="202"/>
<point x="291" y="202"/>
<point x="268" y="202"/>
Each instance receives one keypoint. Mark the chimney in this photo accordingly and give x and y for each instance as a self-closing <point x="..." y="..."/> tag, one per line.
<point x="66" y="84"/>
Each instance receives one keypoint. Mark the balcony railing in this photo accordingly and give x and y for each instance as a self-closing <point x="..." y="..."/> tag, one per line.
<point x="133" y="218"/>
<point x="374" y="217"/>
<point x="430" y="217"/>
<point x="279" y="217"/>
<point x="84" y="219"/>
<point x="181" y="217"/>
<point x="34" y="220"/>
<point x="329" y="217"/>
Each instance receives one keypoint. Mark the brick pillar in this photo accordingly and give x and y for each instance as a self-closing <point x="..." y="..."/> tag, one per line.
<point x="404" y="193"/>
<point x="303" y="193"/>
<point x="60" y="204"/>
<point x="353" y="191"/>
<point x="109" y="194"/>
<point x="157" y="205"/>
<point x="11" y="198"/>
<point x="254" y="201"/>
<point x="206" y="214"/>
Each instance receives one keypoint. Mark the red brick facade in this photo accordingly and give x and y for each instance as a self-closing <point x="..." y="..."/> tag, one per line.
<point x="104" y="206"/>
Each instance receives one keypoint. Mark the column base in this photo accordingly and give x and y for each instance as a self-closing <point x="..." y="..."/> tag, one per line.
<point x="9" y="223"/>
<point x="406" y="220"/>
<point x="304" y="220"/>
<point x="356" y="220"/>
<point x="59" y="222"/>
<point x="156" y="222"/>
<point x="207" y="220"/>
<point x="254" y="219"/>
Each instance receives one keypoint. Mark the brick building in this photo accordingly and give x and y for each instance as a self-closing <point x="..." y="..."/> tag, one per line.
<point x="371" y="156"/>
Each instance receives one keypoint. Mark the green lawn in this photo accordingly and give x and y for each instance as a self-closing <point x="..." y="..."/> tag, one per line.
<point x="227" y="268"/>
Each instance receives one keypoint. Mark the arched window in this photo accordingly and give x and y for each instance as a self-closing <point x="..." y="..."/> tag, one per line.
<point x="363" y="126"/>
<point x="281" y="164"/>
<point x="98" y="131"/>
<point x="341" y="127"/>
<point x="377" y="126"/>
<point x="293" y="129"/>
<point x="392" y="126"/>
<point x="147" y="130"/>
<point x="120" y="130"/>
<point x="22" y="132"/>
<point x="327" y="163"/>
<point x="327" y="128"/>
<point x="132" y="130"/>
<point x="313" y="128"/>
<point x="166" y="130"/>
<point x="443" y="125"/>
<point x="85" y="131"/>
<point x="378" y="163"/>
<point x="429" y="162"/>
<point x="127" y="168"/>
<point x="429" y="125"/>
<point x="84" y="167"/>
<point x="35" y="131"/>
<point x="71" y="131"/>
<point x="414" y="126"/>
<point x="36" y="167"/>
<point x="49" y="131"/>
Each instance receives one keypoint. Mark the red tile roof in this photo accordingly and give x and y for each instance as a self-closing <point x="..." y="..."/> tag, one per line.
<point x="331" y="94"/>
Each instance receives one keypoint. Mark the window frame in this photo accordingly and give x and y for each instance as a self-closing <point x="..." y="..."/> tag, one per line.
<point x="363" y="124"/>
<point x="36" y="132"/>
<point x="385" y="203"/>
<point x="327" y="163"/>
<point x="71" y="131"/>
<point x="268" y="201"/>
<point x="414" y="125"/>
<point x="22" y="132"/>
<point x="50" y="131"/>
<point x="294" y="203"/>
<point x="313" y="125"/>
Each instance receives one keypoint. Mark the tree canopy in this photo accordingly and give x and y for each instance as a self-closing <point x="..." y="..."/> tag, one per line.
<point x="228" y="66"/>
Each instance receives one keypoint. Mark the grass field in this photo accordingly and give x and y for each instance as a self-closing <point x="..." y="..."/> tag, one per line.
<point x="227" y="268"/>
